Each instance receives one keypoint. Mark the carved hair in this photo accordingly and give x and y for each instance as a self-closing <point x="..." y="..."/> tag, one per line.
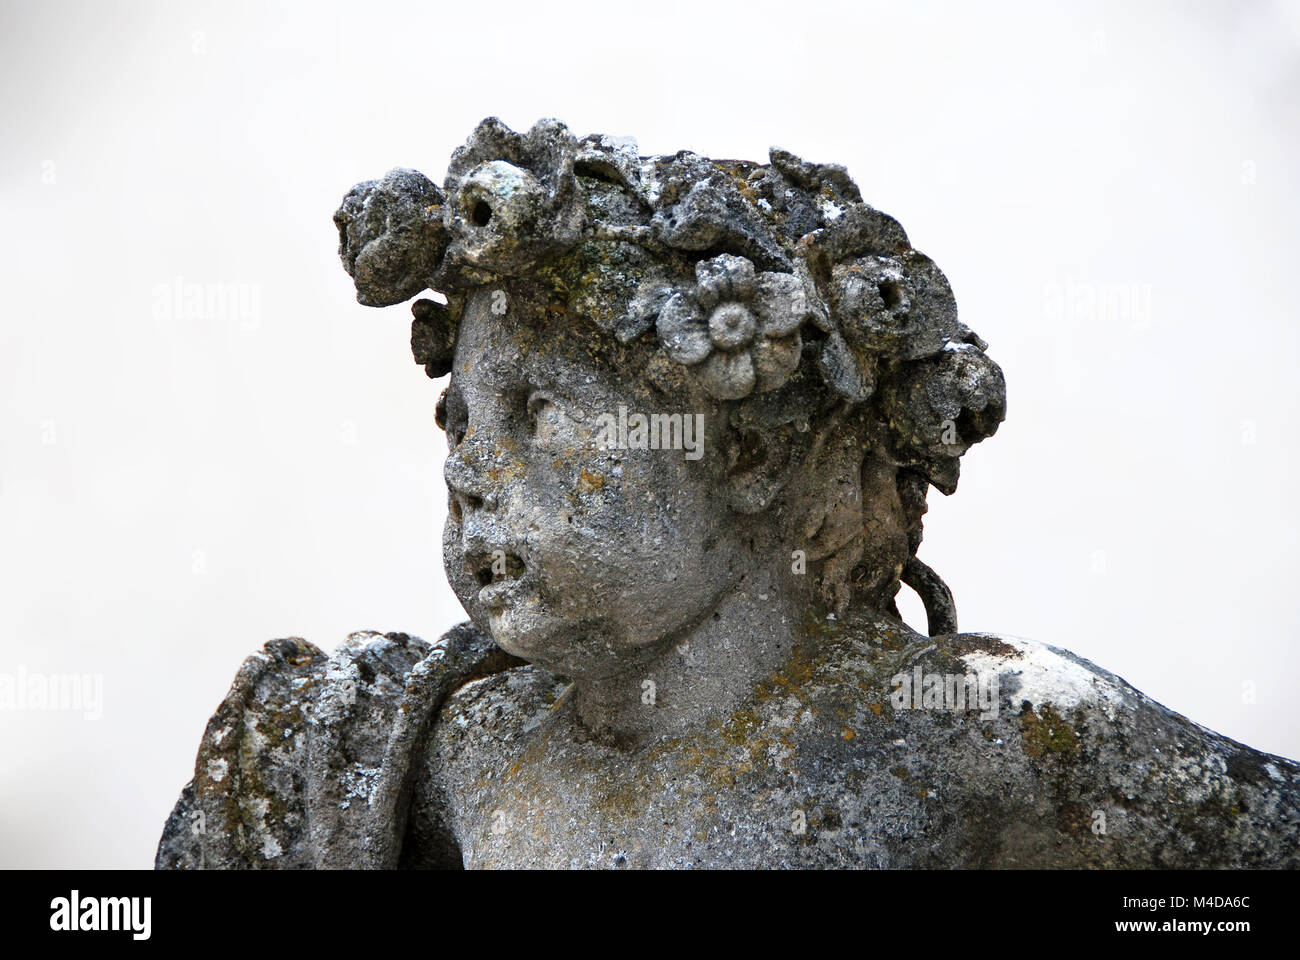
<point x="773" y="288"/>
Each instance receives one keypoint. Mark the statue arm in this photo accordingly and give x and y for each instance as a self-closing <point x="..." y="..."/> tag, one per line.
<point x="307" y="763"/>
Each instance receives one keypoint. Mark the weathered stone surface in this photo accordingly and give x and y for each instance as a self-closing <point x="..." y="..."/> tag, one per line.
<point x="816" y="768"/>
<point x="307" y="761"/>
<point x="391" y="236"/>
<point x="694" y="412"/>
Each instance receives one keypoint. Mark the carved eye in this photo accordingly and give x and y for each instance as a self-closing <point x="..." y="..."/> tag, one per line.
<point x="451" y="416"/>
<point x="544" y="416"/>
<point x="455" y="429"/>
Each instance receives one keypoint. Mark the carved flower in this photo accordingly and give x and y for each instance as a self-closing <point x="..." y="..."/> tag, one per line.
<point x="391" y="236"/>
<point x="937" y="408"/>
<point x="512" y="199"/>
<point x="736" y="329"/>
<point x="896" y="306"/>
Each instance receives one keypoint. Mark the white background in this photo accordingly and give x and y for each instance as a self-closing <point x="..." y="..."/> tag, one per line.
<point x="1111" y="189"/>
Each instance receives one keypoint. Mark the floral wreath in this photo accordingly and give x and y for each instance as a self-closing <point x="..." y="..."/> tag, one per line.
<point x="746" y="276"/>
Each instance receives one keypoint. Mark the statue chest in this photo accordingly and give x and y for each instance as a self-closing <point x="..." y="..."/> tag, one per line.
<point x="520" y="785"/>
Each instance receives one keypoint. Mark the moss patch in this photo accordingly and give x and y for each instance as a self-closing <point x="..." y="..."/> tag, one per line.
<point x="1046" y="732"/>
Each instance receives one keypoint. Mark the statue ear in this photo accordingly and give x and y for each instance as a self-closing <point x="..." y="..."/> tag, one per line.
<point x="759" y="464"/>
<point x="765" y="448"/>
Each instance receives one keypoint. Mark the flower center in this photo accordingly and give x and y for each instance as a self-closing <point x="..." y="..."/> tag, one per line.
<point x="731" y="326"/>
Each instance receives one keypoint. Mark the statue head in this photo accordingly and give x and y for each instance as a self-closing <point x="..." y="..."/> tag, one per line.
<point x="668" y="375"/>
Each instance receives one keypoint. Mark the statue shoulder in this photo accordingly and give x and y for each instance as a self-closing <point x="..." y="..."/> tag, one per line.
<point x="1004" y="751"/>
<point x="498" y="708"/>
<point x="305" y="761"/>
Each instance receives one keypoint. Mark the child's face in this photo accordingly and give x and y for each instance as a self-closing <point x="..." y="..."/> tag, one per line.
<point x="584" y="559"/>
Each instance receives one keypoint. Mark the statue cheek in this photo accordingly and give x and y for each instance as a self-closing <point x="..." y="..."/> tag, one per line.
<point x="462" y="584"/>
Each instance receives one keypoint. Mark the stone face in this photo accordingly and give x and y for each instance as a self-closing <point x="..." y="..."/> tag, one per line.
<point x="694" y="412"/>
<point x="687" y="246"/>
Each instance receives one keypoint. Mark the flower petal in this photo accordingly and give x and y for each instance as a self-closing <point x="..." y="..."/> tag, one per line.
<point x="682" y="331"/>
<point x="781" y="304"/>
<point x="725" y="277"/>
<point x="728" y="376"/>
<point x="775" y="360"/>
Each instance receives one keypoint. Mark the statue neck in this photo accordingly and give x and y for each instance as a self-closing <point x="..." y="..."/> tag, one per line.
<point x="710" y="668"/>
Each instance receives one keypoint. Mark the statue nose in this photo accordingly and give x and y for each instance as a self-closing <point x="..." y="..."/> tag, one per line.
<point x="467" y="483"/>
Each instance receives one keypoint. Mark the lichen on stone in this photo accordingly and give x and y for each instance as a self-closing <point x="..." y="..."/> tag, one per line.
<point x="746" y="272"/>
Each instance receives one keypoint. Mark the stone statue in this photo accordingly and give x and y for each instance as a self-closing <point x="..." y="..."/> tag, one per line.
<point x="694" y="411"/>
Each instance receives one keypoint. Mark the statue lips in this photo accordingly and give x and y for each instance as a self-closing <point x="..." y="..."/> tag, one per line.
<point x="502" y="575"/>
<point x="497" y="596"/>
